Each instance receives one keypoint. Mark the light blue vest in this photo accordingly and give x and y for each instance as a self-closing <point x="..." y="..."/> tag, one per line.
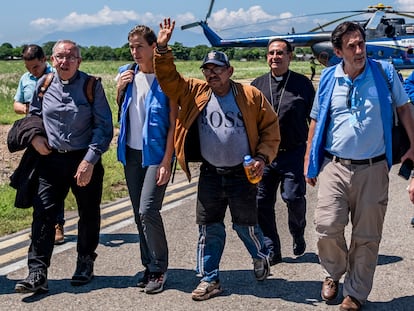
<point x="156" y="125"/>
<point x="326" y="86"/>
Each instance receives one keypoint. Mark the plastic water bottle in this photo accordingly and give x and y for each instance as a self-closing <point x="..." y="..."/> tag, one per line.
<point x="248" y="168"/>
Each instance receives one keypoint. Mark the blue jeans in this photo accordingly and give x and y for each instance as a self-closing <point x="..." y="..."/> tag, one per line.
<point x="286" y="171"/>
<point x="146" y="198"/>
<point x="215" y="193"/>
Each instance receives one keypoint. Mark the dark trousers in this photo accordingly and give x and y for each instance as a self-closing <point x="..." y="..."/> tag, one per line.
<point x="287" y="172"/>
<point x="56" y="177"/>
<point x="146" y="197"/>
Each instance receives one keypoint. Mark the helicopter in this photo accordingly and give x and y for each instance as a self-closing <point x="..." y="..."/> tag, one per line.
<point x="387" y="38"/>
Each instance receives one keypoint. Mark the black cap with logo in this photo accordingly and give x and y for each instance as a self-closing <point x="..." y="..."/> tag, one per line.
<point x="216" y="57"/>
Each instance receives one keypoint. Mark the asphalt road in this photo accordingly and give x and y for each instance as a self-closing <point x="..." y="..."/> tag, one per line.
<point x="293" y="285"/>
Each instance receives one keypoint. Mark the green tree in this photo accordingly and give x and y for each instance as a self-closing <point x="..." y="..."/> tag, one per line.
<point x="123" y="53"/>
<point x="180" y="52"/>
<point x="6" y="51"/>
<point x="47" y="48"/>
<point x="198" y="52"/>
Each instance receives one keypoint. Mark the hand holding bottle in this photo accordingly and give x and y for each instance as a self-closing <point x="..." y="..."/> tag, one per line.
<point x="253" y="168"/>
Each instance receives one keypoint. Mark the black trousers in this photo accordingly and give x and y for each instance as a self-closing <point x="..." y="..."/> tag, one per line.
<point x="56" y="177"/>
<point x="285" y="172"/>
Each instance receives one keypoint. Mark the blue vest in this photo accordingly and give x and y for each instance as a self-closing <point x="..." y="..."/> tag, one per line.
<point x="326" y="87"/>
<point x="156" y="125"/>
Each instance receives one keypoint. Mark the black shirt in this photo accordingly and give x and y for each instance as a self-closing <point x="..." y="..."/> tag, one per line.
<point x="292" y="99"/>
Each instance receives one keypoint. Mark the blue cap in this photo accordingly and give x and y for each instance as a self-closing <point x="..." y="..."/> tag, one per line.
<point x="216" y="57"/>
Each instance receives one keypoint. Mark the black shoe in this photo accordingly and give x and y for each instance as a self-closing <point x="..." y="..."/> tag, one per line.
<point x="412" y="221"/>
<point x="35" y="282"/>
<point x="84" y="270"/>
<point x="274" y="259"/>
<point x="143" y="281"/>
<point x="299" y="246"/>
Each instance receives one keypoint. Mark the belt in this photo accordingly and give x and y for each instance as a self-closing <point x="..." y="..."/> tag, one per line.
<point x="224" y="170"/>
<point x="355" y="162"/>
<point x="68" y="151"/>
<point x="291" y="147"/>
<point x="60" y="150"/>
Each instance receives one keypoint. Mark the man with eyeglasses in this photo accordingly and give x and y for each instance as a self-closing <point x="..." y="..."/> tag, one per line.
<point x="349" y="148"/>
<point x="77" y="134"/>
<point x="291" y="95"/>
<point x="219" y="122"/>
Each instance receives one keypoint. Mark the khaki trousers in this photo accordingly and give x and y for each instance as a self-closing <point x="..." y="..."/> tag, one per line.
<point x="358" y="193"/>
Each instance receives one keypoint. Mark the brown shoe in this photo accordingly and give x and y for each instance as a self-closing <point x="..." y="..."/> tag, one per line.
<point x="59" y="235"/>
<point x="350" y="304"/>
<point x="329" y="289"/>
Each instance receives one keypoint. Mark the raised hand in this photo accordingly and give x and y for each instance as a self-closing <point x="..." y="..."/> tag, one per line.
<point x="165" y="33"/>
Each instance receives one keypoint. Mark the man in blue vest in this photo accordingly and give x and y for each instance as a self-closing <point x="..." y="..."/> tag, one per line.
<point x="349" y="149"/>
<point x="409" y="88"/>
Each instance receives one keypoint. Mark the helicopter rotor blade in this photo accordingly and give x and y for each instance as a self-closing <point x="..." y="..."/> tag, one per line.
<point x="294" y="17"/>
<point x="406" y="14"/>
<point x="375" y="20"/>
<point x="334" y="21"/>
<point x="209" y="10"/>
<point x="186" y="26"/>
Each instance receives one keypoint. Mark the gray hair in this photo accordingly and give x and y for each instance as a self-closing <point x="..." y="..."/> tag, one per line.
<point x="77" y="48"/>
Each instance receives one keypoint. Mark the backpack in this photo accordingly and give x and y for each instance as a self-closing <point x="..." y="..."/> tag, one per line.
<point x="88" y="87"/>
<point x="121" y="95"/>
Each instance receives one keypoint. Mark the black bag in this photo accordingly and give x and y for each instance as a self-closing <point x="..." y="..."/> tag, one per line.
<point x="400" y="141"/>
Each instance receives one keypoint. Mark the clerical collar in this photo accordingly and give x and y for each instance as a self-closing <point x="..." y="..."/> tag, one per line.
<point x="74" y="77"/>
<point x="280" y="78"/>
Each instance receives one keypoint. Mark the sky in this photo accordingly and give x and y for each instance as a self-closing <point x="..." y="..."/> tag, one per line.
<point x="28" y="22"/>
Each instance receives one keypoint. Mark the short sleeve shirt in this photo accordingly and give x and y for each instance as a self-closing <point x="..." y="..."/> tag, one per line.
<point x="26" y="86"/>
<point x="355" y="129"/>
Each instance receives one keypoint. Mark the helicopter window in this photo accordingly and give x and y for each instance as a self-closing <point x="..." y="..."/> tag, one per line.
<point x="409" y="29"/>
<point x="390" y="31"/>
<point x="380" y="53"/>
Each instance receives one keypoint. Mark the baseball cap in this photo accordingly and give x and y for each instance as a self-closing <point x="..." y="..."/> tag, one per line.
<point x="216" y="57"/>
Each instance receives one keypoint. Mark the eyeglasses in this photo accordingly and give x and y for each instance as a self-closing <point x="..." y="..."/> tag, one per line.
<point x="350" y="97"/>
<point x="69" y="58"/>
<point x="277" y="53"/>
<point x="216" y="70"/>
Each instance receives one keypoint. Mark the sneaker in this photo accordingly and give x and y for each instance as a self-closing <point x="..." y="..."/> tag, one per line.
<point x="143" y="281"/>
<point x="59" y="235"/>
<point x="261" y="268"/>
<point x="84" y="271"/>
<point x="156" y="283"/>
<point x="206" y="290"/>
<point x="299" y="246"/>
<point x="36" y="281"/>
